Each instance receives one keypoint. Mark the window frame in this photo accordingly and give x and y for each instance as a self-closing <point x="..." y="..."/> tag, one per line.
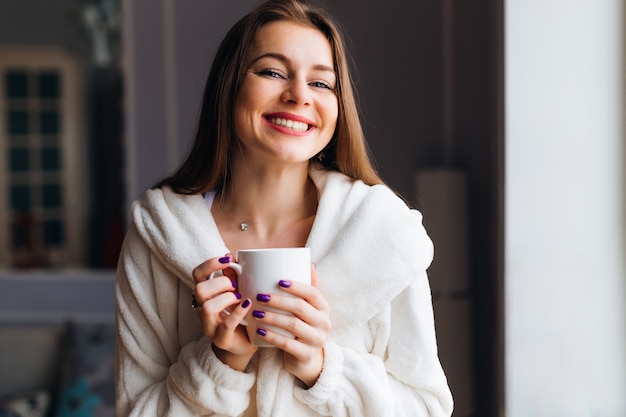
<point x="72" y="145"/>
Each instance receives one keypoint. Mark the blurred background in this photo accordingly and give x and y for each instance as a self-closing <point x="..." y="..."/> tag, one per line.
<point x="501" y="120"/>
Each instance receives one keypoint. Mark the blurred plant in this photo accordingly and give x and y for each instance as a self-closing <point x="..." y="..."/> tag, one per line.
<point x="101" y="22"/>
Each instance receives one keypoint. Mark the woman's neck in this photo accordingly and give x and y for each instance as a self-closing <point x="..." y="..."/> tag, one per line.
<point x="270" y="201"/>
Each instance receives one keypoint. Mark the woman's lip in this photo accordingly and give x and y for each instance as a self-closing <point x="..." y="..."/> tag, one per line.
<point x="289" y="116"/>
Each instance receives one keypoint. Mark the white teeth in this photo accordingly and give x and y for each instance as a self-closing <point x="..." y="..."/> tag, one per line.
<point x="289" y="124"/>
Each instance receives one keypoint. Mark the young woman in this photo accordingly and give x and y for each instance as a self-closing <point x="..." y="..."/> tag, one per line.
<point x="279" y="160"/>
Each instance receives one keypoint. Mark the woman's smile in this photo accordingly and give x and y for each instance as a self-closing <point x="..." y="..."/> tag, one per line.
<point x="290" y="123"/>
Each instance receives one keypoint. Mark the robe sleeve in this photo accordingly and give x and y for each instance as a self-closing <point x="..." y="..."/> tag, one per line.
<point x="155" y="376"/>
<point x="400" y="376"/>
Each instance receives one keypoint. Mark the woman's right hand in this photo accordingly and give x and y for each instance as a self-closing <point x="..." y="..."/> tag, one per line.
<point x="221" y="312"/>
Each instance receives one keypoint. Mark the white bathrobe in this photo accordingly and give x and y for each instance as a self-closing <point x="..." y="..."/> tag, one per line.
<point x="371" y="253"/>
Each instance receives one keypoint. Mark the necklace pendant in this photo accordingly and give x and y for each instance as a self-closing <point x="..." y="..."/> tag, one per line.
<point x="244" y="226"/>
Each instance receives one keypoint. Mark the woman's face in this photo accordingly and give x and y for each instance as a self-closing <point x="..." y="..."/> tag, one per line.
<point x="286" y="108"/>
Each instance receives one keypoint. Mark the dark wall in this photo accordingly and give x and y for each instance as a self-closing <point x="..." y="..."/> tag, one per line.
<point x="396" y="46"/>
<point x="41" y="22"/>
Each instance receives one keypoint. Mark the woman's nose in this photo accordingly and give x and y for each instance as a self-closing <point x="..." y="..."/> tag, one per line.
<point x="297" y="92"/>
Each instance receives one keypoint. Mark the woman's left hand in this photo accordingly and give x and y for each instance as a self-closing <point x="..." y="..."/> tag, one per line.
<point x="310" y="324"/>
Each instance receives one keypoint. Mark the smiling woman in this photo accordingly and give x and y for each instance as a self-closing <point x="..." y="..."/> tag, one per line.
<point x="279" y="161"/>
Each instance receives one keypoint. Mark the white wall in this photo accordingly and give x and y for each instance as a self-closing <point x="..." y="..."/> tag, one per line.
<point x="564" y="209"/>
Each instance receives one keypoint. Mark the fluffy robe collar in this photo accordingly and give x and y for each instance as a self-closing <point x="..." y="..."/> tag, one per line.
<point x="366" y="243"/>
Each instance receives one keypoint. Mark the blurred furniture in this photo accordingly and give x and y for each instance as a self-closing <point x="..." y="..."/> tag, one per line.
<point x="57" y="340"/>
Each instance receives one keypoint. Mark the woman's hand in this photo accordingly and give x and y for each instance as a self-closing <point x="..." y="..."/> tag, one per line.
<point x="310" y="324"/>
<point x="221" y="312"/>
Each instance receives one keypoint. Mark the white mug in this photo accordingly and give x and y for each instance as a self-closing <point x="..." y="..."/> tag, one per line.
<point x="259" y="272"/>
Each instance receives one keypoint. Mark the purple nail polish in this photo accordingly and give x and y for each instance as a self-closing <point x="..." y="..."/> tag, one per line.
<point x="258" y="314"/>
<point x="224" y="260"/>
<point x="261" y="332"/>
<point x="263" y="297"/>
<point x="245" y="303"/>
<point x="238" y="296"/>
<point x="234" y="284"/>
<point x="284" y="283"/>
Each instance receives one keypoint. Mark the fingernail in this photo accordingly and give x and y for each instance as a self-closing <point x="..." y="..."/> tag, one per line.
<point x="261" y="332"/>
<point x="245" y="303"/>
<point x="258" y="314"/>
<point x="238" y="296"/>
<point x="224" y="260"/>
<point x="284" y="283"/>
<point x="234" y="284"/>
<point x="263" y="297"/>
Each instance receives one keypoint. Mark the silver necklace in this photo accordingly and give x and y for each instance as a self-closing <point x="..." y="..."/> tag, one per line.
<point x="244" y="224"/>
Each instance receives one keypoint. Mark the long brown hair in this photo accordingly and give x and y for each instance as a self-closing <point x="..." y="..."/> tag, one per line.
<point x="207" y="166"/>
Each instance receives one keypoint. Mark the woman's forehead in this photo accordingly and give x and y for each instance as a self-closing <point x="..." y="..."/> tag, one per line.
<point x="293" y="41"/>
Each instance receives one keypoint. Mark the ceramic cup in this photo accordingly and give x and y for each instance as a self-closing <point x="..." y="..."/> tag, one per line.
<point x="259" y="271"/>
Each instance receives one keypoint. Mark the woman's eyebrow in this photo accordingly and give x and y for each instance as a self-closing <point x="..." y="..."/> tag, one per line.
<point x="285" y="60"/>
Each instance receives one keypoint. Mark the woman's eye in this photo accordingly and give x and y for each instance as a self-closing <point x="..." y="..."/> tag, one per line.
<point x="321" y="84"/>
<point x="270" y="73"/>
